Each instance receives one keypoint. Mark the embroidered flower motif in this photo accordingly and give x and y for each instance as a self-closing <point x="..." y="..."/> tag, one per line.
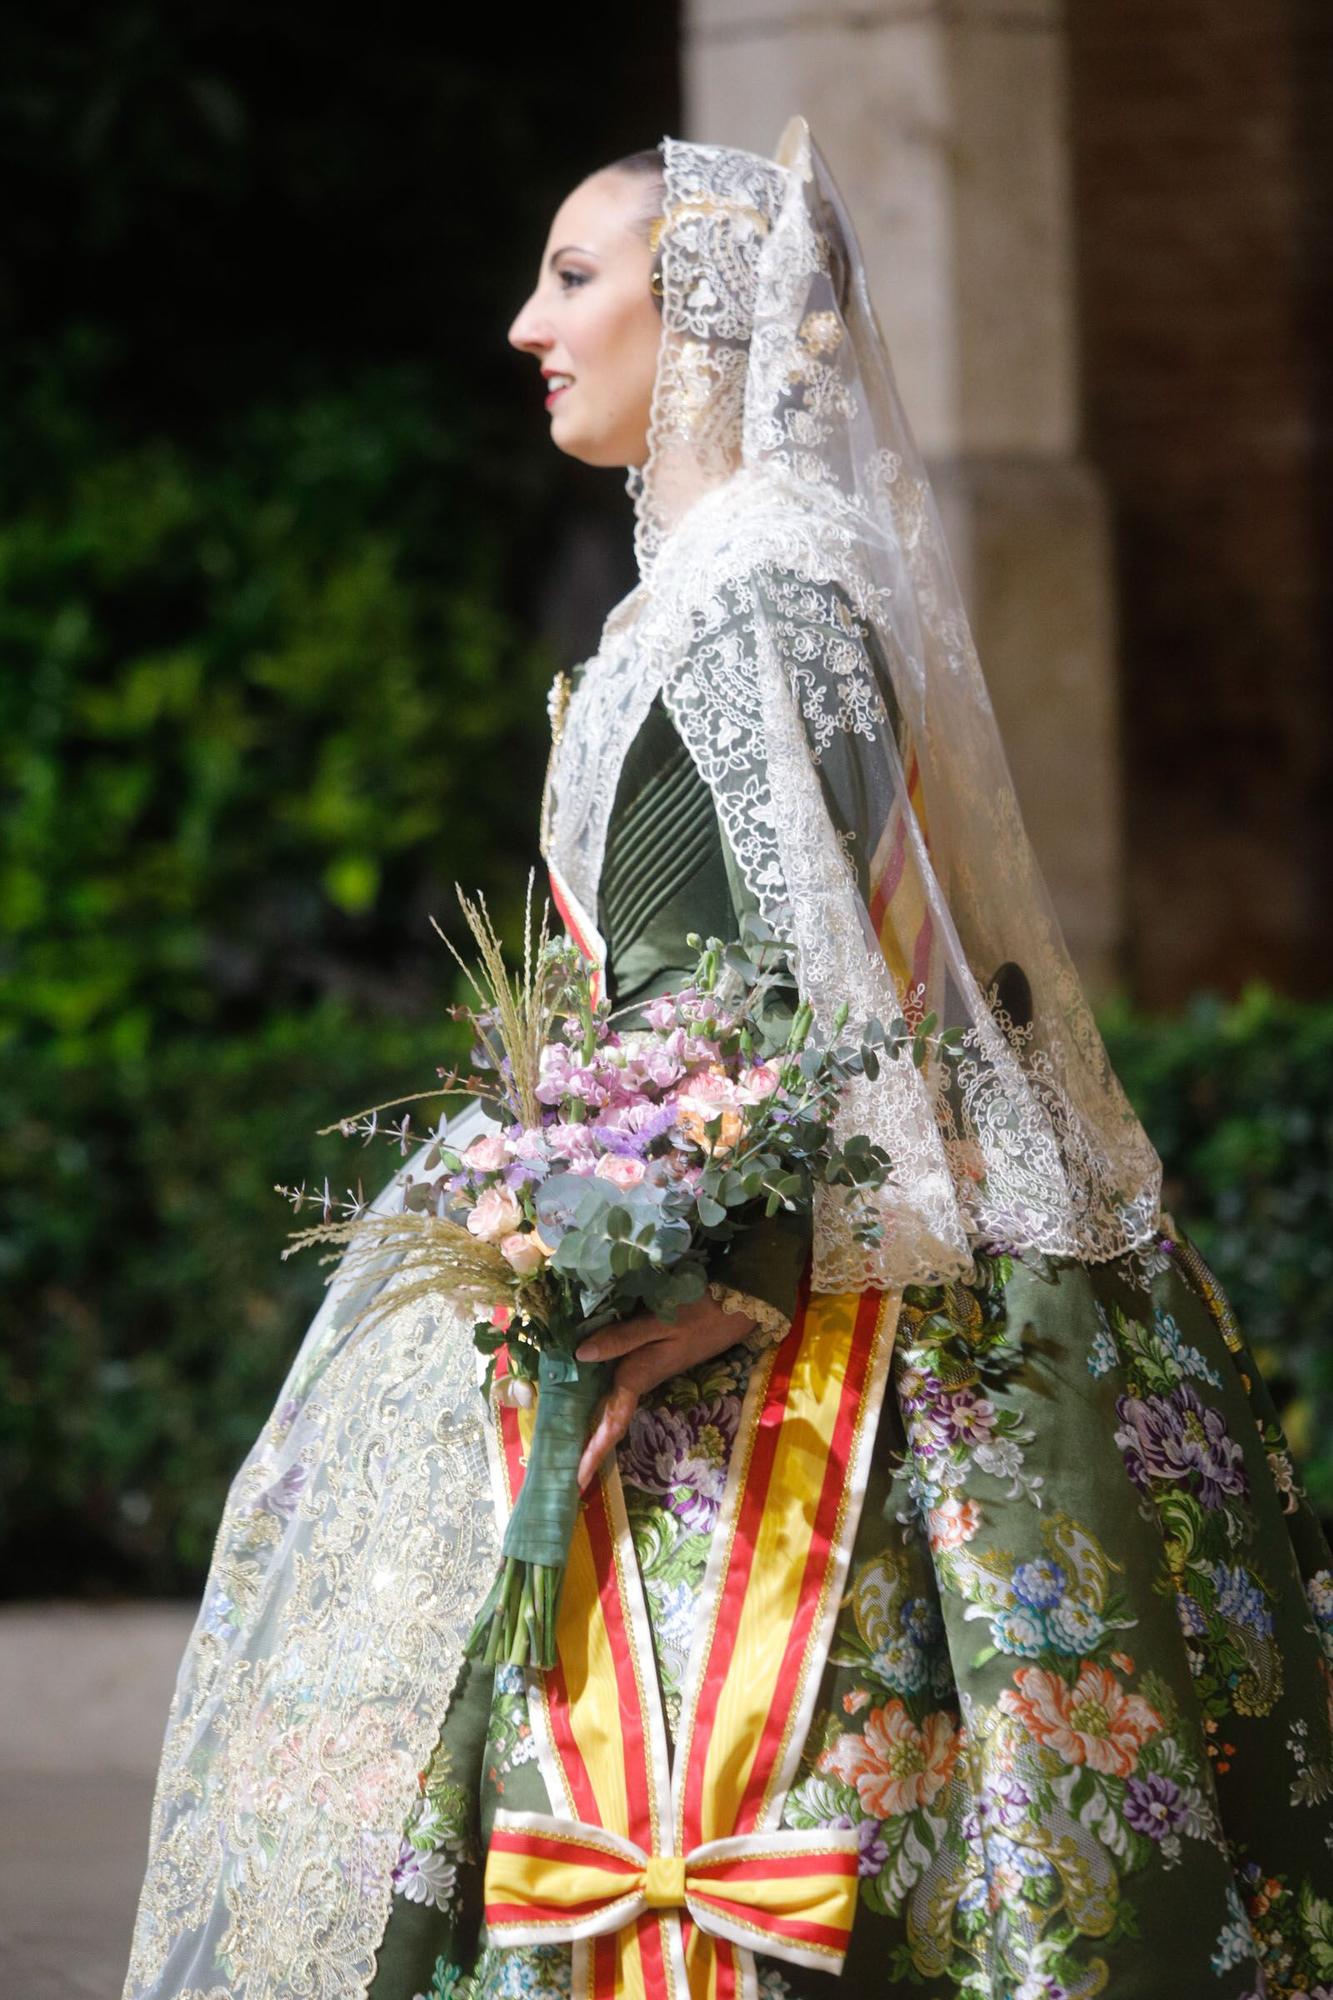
<point x="1040" y="1584"/>
<point x="895" y="1766"/>
<point x="1095" y="1722"/>
<point x="964" y="1416"/>
<point x="424" y="1878"/>
<point x="1153" y="1805"/>
<point x="1176" y="1436"/>
<point x="682" y="1456"/>
<point x="1003" y="1801"/>
<point x="1239" y="1598"/>
<point x="953" y="1522"/>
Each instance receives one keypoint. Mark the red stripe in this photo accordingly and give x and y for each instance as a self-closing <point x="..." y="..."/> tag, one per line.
<point x="556" y="1692"/>
<point x="817" y="1559"/>
<point x="605" y="1965"/>
<point x="595" y="984"/>
<point x="797" y="1928"/>
<point x="510" y="1433"/>
<point x="834" y="1861"/>
<point x="565" y="917"/>
<point x="638" y="1780"/>
<point x="653" y="1956"/>
<point x="726" y="1969"/>
<point x="544" y="1847"/>
<point x="750" y="1513"/>
<point x="890" y="876"/>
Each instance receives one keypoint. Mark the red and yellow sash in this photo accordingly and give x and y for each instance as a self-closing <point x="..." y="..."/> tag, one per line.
<point x="899" y="909"/>
<point x="667" y="1881"/>
<point x="580" y="927"/>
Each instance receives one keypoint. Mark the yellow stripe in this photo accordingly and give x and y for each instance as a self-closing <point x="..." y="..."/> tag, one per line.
<point x="590" y="1676"/>
<point x="534" y="1878"/>
<point x="785" y="1533"/>
<point x="824" y="1899"/>
<point x="631" y="1984"/>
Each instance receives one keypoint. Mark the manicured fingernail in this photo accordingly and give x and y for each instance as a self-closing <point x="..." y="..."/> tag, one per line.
<point x="588" y="1351"/>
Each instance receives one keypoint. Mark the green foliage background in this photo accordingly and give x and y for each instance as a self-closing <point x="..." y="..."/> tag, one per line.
<point x="277" y="519"/>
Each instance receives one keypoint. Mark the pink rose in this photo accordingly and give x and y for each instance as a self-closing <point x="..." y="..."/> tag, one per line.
<point x="487" y="1154"/>
<point x="494" y="1213"/>
<point x="524" y="1251"/>
<point x="705" y="1097"/>
<point x="759" y="1083"/>
<point x="620" y="1169"/>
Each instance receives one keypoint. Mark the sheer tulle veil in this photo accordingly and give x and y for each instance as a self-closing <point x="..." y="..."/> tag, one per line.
<point x="359" y="1536"/>
<point x="781" y="463"/>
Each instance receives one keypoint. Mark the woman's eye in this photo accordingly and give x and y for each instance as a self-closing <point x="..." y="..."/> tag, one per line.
<point x="575" y="277"/>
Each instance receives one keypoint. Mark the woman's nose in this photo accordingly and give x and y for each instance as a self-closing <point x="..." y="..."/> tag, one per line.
<point x="527" y="333"/>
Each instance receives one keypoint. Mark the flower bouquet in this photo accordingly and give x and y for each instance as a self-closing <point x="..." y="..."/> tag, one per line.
<point x="616" y="1165"/>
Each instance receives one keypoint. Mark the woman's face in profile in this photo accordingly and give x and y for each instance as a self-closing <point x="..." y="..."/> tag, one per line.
<point x="592" y="324"/>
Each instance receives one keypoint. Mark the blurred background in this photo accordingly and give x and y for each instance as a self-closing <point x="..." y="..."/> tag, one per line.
<point x="287" y="563"/>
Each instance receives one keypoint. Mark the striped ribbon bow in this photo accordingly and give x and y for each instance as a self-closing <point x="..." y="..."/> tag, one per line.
<point x="793" y="1893"/>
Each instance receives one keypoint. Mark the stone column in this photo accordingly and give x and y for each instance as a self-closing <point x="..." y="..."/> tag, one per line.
<point x="945" y="125"/>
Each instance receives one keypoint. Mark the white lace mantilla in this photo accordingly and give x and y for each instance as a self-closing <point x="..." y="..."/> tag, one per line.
<point x="799" y="615"/>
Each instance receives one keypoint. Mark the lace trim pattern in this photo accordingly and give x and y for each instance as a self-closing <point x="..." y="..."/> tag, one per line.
<point x="356" y="1547"/>
<point x="771" y="1323"/>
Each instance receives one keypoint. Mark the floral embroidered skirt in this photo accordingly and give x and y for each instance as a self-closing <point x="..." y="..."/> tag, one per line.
<point x="1078" y="1704"/>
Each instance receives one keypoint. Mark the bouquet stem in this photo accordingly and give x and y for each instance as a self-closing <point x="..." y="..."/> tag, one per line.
<point x="516" y="1624"/>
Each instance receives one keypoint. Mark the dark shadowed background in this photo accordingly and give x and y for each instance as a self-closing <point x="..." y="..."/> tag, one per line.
<point x="286" y="565"/>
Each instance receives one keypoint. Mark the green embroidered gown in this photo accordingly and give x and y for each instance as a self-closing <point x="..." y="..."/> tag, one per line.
<point x="1079" y="1697"/>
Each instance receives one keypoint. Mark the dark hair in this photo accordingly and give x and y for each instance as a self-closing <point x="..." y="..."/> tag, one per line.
<point x="649" y="167"/>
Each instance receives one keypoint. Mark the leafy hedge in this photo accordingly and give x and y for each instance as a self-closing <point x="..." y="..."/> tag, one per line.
<point x="154" y="1318"/>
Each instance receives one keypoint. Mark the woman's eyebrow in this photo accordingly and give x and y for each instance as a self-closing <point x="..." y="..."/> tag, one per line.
<point x="550" y="262"/>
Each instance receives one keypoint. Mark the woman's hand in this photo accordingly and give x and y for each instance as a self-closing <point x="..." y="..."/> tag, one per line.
<point x="651" y="1351"/>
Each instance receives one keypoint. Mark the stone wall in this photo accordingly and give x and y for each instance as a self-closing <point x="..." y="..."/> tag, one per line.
<point x="946" y="127"/>
<point x="1202" y="144"/>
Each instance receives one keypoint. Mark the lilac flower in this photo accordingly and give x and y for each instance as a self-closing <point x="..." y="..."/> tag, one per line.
<point x="964" y="1415"/>
<point x="681" y="1456"/>
<point x="872" y="1850"/>
<point x="1193" y="1622"/>
<point x="1153" y="1805"/>
<point x="281" y="1498"/>
<point x="423" y="1878"/>
<point x="918" y="1388"/>
<point x="1002" y="1802"/>
<point x="631" y="1129"/>
<point x="1170" y="1437"/>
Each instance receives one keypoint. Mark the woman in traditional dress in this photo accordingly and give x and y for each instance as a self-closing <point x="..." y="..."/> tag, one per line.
<point x="945" y="1614"/>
